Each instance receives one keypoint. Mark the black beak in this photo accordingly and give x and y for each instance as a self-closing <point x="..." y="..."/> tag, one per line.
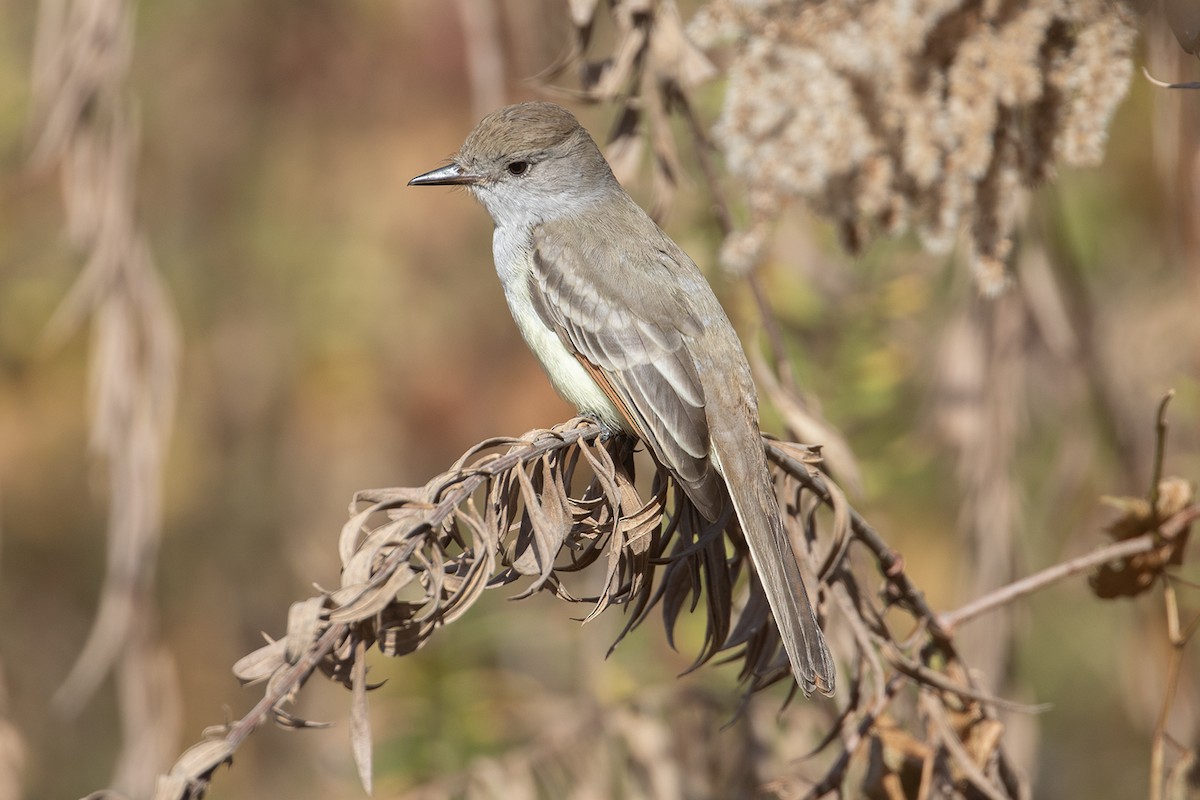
<point x="449" y="175"/>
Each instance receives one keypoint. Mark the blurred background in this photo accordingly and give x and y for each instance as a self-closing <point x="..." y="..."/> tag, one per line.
<point x="339" y="331"/>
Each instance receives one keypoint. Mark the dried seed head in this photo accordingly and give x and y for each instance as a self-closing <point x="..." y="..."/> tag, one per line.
<point x="930" y="114"/>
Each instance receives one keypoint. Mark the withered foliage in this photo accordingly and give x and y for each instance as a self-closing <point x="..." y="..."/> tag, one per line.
<point x="652" y="65"/>
<point x="86" y="126"/>
<point x="1137" y="573"/>
<point x="527" y="513"/>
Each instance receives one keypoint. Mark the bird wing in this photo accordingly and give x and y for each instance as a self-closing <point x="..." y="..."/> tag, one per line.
<point x="637" y="314"/>
<point x="631" y="339"/>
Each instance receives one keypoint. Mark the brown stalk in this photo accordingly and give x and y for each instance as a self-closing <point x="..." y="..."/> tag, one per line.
<point x="1051" y="575"/>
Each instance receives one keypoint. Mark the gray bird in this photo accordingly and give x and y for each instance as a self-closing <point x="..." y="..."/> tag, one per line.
<point x="629" y="331"/>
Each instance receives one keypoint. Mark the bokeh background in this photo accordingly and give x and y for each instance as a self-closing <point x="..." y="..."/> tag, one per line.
<point x="341" y="331"/>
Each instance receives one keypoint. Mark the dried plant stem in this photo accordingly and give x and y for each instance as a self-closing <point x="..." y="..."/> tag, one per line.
<point x="949" y="740"/>
<point x="1040" y="580"/>
<point x="891" y="563"/>
<point x="1160" y="449"/>
<point x="935" y="680"/>
<point x="87" y="125"/>
<point x="1178" y="638"/>
<point x="833" y="776"/>
<point x="286" y="685"/>
<point x="1158" y="744"/>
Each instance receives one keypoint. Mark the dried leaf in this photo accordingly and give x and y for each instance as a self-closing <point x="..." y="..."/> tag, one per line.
<point x="962" y="759"/>
<point x="625" y="144"/>
<point x="199" y="760"/>
<point x="894" y="762"/>
<point x="289" y="721"/>
<point x="550" y="521"/>
<point x="370" y="600"/>
<point x="1136" y="517"/>
<point x="1174" y="494"/>
<point x="306" y="621"/>
<point x="360" y="718"/>
<point x="398" y="634"/>
<point x="262" y="663"/>
<point x="621" y="70"/>
<point x="1135" y="574"/>
<point x="166" y="787"/>
<point x="674" y="57"/>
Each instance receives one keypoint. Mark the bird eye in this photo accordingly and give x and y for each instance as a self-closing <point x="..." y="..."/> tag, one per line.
<point x="518" y="167"/>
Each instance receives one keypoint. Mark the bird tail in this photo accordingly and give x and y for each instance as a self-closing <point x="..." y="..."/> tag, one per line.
<point x="757" y="509"/>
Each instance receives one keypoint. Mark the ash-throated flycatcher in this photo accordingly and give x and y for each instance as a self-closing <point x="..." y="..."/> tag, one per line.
<point x="630" y="332"/>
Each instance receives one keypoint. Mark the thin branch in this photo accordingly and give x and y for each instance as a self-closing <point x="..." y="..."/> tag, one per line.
<point x="1160" y="451"/>
<point x="1178" y="638"/>
<point x="1040" y="580"/>
<point x="937" y="713"/>
<point x="285" y="685"/>
<point x="936" y="680"/>
<point x="891" y="563"/>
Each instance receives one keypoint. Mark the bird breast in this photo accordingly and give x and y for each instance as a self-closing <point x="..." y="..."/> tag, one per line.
<point x="514" y="260"/>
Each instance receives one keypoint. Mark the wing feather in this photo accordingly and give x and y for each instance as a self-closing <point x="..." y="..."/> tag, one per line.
<point x="631" y="325"/>
<point x="636" y="344"/>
